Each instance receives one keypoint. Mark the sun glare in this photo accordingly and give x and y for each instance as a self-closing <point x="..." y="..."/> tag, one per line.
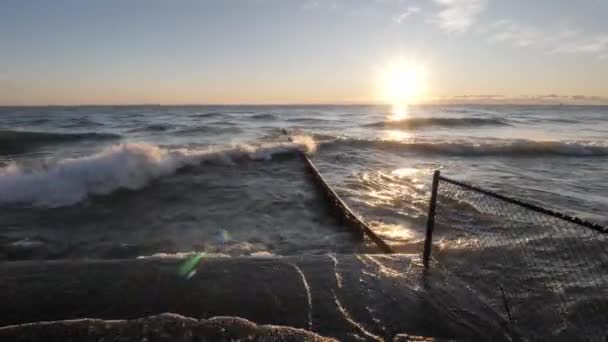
<point x="401" y="84"/>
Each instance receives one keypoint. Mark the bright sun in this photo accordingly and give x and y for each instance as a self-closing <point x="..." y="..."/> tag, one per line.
<point x="400" y="84"/>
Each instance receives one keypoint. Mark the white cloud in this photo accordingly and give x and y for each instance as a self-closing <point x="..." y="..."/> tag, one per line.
<point x="407" y="13"/>
<point x="523" y="99"/>
<point x="507" y="31"/>
<point x="457" y="16"/>
<point x="552" y="40"/>
<point x="597" y="44"/>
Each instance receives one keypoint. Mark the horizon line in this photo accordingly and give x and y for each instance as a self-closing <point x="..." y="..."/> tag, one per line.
<point x="474" y="99"/>
<point x="295" y="104"/>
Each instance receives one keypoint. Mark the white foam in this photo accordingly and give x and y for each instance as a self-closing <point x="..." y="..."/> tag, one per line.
<point x="307" y="143"/>
<point x="128" y="166"/>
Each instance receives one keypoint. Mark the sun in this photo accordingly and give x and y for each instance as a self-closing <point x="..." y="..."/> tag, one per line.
<point x="400" y="84"/>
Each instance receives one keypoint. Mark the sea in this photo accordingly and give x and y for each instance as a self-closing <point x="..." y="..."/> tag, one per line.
<point x="127" y="181"/>
<point x="124" y="182"/>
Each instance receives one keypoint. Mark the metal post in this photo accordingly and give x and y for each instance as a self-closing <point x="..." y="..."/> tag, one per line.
<point x="430" y="221"/>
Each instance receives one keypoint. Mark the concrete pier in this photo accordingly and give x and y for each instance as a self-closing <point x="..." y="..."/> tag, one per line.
<point x="347" y="297"/>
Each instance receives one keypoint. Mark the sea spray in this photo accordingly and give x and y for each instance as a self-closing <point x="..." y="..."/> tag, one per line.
<point x="124" y="166"/>
<point x="307" y="143"/>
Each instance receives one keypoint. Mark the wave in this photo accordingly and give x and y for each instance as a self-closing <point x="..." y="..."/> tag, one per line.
<point x="513" y="148"/>
<point x="209" y="129"/>
<point x="153" y="128"/>
<point x="39" y="121"/>
<point x="264" y="116"/>
<point x="221" y="114"/>
<point x="124" y="166"/>
<point x="459" y="110"/>
<point x="307" y="120"/>
<point x="209" y="115"/>
<point x="22" y="141"/>
<point x="80" y="122"/>
<point x="413" y="123"/>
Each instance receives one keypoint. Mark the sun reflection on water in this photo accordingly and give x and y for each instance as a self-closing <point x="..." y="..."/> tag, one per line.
<point x="396" y="232"/>
<point x="397" y="135"/>
<point x="399" y="112"/>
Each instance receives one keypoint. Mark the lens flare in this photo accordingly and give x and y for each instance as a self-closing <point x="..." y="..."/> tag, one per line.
<point x="188" y="268"/>
<point x="224" y="236"/>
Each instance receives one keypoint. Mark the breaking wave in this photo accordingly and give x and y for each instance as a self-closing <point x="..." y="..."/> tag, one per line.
<point x="23" y="141"/>
<point x="511" y="148"/>
<point x="413" y="123"/>
<point x="125" y="166"/>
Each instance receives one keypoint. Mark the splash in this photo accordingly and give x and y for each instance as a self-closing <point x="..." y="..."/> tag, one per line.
<point x="308" y="144"/>
<point x="125" y="166"/>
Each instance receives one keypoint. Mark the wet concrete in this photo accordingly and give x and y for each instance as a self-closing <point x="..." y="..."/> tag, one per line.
<point x="369" y="297"/>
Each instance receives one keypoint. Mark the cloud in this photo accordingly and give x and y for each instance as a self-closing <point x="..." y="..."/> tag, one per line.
<point x="553" y="40"/>
<point x="507" y="31"/>
<point x="597" y="45"/>
<point x="457" y="16"/>
<point x="548" y="99"/>
<point x="589" y="98"/>
<point x="407" y="13"/>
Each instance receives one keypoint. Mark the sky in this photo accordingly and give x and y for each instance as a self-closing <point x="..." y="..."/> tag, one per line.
<point x="307" y="51"/>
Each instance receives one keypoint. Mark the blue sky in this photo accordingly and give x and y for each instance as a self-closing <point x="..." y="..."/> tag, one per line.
<point x="287" y="51"/>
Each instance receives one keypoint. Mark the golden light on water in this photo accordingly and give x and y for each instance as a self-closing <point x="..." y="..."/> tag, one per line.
<point x="397" y="135"/>
<point x="401" y="84"/>
<point x="399" y="112"/>
<point x="405" y="172"/>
